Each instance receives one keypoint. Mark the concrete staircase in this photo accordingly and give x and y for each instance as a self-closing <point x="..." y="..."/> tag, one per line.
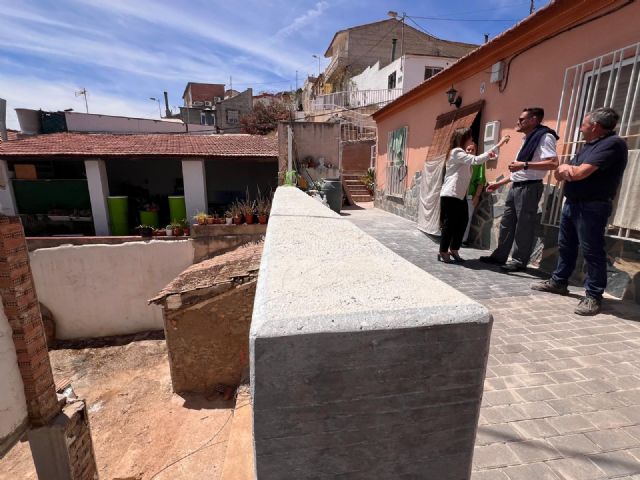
<point x="356" y="190"/>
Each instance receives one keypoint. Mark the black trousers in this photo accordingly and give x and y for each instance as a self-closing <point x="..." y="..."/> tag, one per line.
<point x="454" y="215"/>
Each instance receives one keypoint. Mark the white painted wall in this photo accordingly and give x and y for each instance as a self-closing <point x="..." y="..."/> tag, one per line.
<point x="13" y="406"/>
<point x="195" y="187"/>
<point x="98" y="192"/>
<point x="100" y="290"/>
<point x="411" y="75"/>
<point x="90" y="122"/>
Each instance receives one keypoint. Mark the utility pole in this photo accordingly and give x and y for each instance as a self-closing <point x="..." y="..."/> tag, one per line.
<point x="231" y="84"/>
<point x="296" y="80"/>
<point x="318" y="57"/>
<point x="83" y="92"/>
<point x="532" y="7"/>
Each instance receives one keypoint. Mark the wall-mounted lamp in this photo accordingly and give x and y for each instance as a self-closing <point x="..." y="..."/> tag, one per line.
<point x="452" y="96"/>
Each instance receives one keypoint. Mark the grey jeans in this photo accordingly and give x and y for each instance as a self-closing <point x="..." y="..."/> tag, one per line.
<point x="519" y="222"/>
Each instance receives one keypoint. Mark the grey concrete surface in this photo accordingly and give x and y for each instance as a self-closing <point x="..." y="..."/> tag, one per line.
<point x="362" y="364"/>
<point x="562" y="392"/>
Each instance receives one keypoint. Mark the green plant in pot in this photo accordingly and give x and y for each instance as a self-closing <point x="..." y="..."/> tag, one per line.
<point x="237" y="214"/>
<point x="228" y="217"/>
<point x="146" y="231"/>
<point x="185" y="227"/>
<point x="200" y="218"/>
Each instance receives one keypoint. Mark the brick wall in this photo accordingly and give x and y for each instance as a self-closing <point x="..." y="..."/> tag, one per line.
<point x="23" y="313"/>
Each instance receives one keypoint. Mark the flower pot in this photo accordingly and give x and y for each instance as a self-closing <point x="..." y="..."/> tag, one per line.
<point x="228" y="220"/>
<point x="262" y="219"/>
<point x="168" y="232"/>
<point x="210" y="220"/>
<point x="201" y="221"/>
<point x="186" y="231"/>
<point x="177" y="232"/>
<point x="146" y="232"/>
<point x="237" y="220"/>
<point x="248" y="217"/>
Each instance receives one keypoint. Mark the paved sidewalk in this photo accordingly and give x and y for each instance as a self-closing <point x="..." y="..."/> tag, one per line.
<point x="562" y="393"/>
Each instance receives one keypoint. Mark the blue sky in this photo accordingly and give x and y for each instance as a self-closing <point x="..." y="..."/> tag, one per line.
<point x="125" y="51"/>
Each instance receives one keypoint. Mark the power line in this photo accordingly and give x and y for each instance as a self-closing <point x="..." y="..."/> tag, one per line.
<point x="468" y="19"/>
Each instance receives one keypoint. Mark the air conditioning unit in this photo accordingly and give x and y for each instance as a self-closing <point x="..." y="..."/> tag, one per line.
<point x="208" y="104"/>
<point x="491" y="135"/>
<point x="198" y="103"/>
<point x="497" y="72"/>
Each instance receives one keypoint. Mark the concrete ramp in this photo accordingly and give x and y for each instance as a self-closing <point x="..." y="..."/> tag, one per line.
<point x="362" y="365"/>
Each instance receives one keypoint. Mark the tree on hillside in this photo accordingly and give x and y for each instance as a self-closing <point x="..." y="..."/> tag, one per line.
<point x="264" y="118"/>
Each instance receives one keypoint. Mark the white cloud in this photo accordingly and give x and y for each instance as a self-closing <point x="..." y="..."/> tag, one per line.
<point x="303" y="20"/>
<point x="29" y="92"/>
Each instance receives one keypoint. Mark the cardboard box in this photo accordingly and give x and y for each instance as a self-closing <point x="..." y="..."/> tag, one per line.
<point x="26" y="172"/>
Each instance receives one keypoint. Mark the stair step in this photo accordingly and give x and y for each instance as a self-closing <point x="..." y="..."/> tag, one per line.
<point x="362" y="198"/>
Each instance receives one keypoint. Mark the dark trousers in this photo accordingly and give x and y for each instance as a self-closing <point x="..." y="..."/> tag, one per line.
<point x="584" y="223"/>
<point x="454" y="214"/>
<point x="519" y="222"/>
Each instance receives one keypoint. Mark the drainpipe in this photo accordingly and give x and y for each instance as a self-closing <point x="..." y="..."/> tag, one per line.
<point x="394" y="41"/>
<point x="3" y="120"/>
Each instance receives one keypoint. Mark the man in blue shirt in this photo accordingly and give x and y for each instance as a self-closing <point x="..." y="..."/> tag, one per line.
<point x="592" y="179"/>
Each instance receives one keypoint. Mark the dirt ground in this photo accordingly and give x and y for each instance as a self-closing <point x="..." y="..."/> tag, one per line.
<point x="140" y="429"/>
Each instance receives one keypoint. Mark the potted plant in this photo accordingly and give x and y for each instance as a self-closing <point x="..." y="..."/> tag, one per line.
<point x="177" y="229"/>
<point x="185" y="227"/>
<point x="237" y="214"/>
<point x="169" y="230"/>
<point x="145" y="231"/>
<point x="263" y="208"/>
<point x="200" y="218"/>
<point x="228" y="217"/>
<point x="369" y="180"/>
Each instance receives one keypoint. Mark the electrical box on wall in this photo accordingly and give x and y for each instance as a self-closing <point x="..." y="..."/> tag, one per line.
<point x="497" y="72"/>
<point x="491" y="135"/>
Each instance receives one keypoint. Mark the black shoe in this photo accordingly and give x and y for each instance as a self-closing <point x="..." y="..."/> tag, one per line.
<point x="588" y="306"/>
<point x="513" y="267"/>
<point x="456" y="258"/>
<point x="550" y="286"/>
<point x="444" y="258"/>
<point x="490" y="259"/>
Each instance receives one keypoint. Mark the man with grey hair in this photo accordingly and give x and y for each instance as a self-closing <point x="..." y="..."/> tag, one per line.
<point x="592" y="178"/>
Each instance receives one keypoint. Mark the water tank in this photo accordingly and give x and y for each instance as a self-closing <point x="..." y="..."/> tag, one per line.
<point x="29" y="121"/>
<point x="332" y="189"/>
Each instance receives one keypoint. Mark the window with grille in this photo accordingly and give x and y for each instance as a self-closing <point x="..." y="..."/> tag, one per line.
<point x="397" y="167"/>
<point x="430" y="72"/>
<point x="391" y="81"/>
<point x="232" y="116"/>
<point x="611" y="80"/>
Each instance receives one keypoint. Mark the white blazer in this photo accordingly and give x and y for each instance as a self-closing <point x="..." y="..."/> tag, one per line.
<point x="457" y="174"/>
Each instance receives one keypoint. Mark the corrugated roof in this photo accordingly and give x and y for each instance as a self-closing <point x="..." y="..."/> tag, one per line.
<point x="114" y="145"/>
<point x="237" y="266"/>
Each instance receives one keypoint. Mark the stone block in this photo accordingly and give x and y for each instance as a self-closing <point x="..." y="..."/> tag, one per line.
<point x="362" y="365"/>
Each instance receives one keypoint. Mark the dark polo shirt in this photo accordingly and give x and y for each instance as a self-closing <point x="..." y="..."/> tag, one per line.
<point x="609" y="154"/>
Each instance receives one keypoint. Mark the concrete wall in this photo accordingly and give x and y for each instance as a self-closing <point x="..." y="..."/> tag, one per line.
<point x="211" y="240"/>
<point x="208" y="338"/>
<point x="100" y="290"/>
<point x="242" y="103"/>
<point x="409" y="76"/>
<point x="89" y="122"/>
<point x="13" y="407"/>
<point x="313" y="139"/>
<point x="362" y="365"/>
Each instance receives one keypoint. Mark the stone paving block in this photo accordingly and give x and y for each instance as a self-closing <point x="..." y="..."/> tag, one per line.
<point x="613" y="439"/>
<point x="497" y="433"/>
<point x="539" y="428"/>
<point x="565" y="390"/>
<point x="616" y="463"/>
<point x="537" y="410"/>
<point x="489" y="475"/>
<point x="604" y="419"/>
<point x="493" y="456"/>
<point x="537" y="471"/>
<point x="571" y="424"/>
<point x="537" y="450"/>
<point x="567" y="406"/>
<point x="576" y="468"/>
<point x="501" y="397"/>
<point x="534" y="394"/>
<point x="574" y="444"/>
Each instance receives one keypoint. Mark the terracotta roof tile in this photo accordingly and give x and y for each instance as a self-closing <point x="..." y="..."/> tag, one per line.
<point x="237" y="266"/>
<point x="110" y="145"/>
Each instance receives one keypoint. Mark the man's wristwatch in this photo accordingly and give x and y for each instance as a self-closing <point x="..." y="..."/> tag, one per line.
<point x="526" y="166"/>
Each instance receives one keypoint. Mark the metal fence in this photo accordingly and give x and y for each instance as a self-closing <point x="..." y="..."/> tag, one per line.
<point x="354" y="99"/>
<point x="396" y="180"/>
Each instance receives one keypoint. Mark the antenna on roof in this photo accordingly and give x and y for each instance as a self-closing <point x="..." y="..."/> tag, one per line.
<point x="532" y="7"/>
<point x="83" y="92"/>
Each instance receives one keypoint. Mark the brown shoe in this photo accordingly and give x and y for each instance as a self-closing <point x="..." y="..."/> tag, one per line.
<point x="588" y="306"/>
<point x="550" y="286"/>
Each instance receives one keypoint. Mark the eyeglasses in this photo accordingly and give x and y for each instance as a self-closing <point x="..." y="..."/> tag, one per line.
<point x="522" y="119"/>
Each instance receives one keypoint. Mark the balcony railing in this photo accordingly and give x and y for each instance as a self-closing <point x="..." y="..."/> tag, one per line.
<point x="354" y="99"/>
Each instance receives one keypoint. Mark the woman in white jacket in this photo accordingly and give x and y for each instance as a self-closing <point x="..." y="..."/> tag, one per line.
<point x="453" y="204"/>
